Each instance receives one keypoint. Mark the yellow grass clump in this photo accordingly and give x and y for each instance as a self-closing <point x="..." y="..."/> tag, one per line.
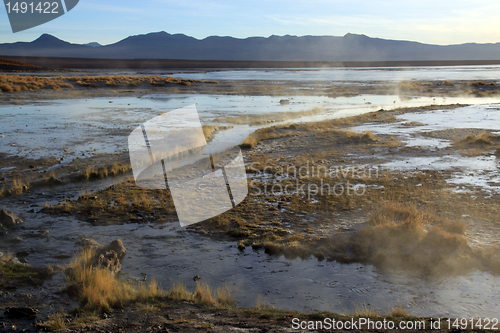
<point x="261" y="304"/>
<point x="402" y="236"/>
<point x="178" y="291"/>
<point x="203" y="294"/>
<point x="99" y="289"/>
<point x="398" y="312"/>
<point x="365" y="311"/>
<point x="410" y="86"/>
<point x="224" y="296"/>
<point x="448" y="83"/>
<point x="482" y="139"/>
<point x="16" y="83"/>
<point x="480" y="83"/>
<point x="146" y="292"/>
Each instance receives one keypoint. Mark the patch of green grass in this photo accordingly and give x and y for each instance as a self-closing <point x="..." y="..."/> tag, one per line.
<point x="15" y="272"/>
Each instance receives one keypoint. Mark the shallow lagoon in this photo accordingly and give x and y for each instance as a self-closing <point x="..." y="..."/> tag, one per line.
<point x="72" y="128"/>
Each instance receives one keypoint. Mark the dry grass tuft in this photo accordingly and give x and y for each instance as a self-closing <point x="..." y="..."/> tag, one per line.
<point x="16" y="83"/>
<point x="398" y="312"/>
<point x="92" y="172"/>
<point x="179" y="292"/>
<point x="147" y="292"/>
<point x="99" y="288"/>
<point x="365" y="311"/>
<point x="128" y="81"/>
<point x="448" y="83"/>
<point x="410" y="86"/>
<point x="54" y="322"/>
<point x="480" y="83"/>
<point x="209" y="130"/>
<point x="224" y="296"/>
<point x="17" y="186"/>
<point x="203" y="294"/>
<point x="119" y="168"/>
<point x="483" y="139"/>
<point x="264" y="134"/>
<point x="261" y="304"/>
<point x="402" y="236"/>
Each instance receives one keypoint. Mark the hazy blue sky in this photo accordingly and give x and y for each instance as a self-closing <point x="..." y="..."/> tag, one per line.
<point x="428" y="21"/>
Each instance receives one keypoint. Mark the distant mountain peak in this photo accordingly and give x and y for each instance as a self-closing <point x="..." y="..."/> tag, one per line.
<point x="93" y="44"/>
<point x="162" y="45"/>
<point x="350" y="35"/>
<point x="154" y="34"/>
<point x="49" y="40"/>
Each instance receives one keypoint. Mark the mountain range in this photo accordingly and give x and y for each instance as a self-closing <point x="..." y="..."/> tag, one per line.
<point x="162" y="45"/>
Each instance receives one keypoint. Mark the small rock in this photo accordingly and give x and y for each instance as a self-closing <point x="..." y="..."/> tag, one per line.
<point x="46" y="273"/>
<point x="23" y="260"/>
<point x="89" y="243"/>
<point x="43" y="233"/>
<point x="118" y="247"/>
<point x="33" y="281"/>
<point x="63" y="255"/>
<point x="22" y="253"/>
<point x="21" y="312"/>
<point x="106" y="257"/>
<point x="9" y="219"/>
<point x="110" y="261"/>
<point x="17" y="240"/>
<point x="14" y="261"/>
<point x="284" y="101"/>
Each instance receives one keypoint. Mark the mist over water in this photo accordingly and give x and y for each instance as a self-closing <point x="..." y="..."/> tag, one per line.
<point x="352" y="75"/>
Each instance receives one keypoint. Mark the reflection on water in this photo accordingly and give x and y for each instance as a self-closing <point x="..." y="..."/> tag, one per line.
<point x="479" y="171"/>
<point x="353" y="75"/>
<point x="75" y="128"/>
